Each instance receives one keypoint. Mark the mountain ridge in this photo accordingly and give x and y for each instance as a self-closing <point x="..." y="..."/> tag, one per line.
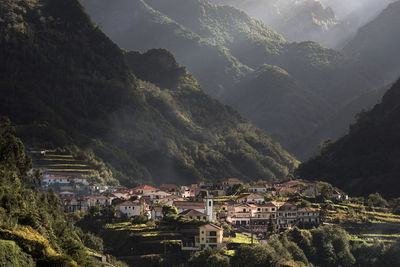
<point x="76" y="87"/>
<point x="244" y="46"/>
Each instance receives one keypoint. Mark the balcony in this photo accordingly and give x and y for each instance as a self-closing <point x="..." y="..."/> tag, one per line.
<point x="190" y="246"/>
<point x="211" y="240"/>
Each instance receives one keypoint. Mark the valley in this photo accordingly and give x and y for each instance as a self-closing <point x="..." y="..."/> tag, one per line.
<point x="199" y="133"/>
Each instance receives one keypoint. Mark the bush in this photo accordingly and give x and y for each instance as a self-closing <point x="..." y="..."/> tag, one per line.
<point x="139" y="219"/>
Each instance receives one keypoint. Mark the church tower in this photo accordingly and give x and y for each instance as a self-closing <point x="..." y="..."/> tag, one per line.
<point x="209" y="207"/>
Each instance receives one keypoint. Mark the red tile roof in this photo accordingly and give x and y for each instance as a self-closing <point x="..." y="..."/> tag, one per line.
<point x="192" y="212"/>
<point x="189" y="204"/>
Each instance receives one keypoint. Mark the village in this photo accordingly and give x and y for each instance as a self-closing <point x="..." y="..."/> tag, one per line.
<point x="256" y="210"/>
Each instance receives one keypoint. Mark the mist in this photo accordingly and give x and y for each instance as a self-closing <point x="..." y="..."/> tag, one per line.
<point x="358" y="12"/>
<point x="329" y="22"/>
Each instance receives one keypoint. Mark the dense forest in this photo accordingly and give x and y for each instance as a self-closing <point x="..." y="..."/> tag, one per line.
<point x="366" y="160"/>
<point x="64" y="83"/>
<point x="326" y="246"/>
<point x="228" y="51"/>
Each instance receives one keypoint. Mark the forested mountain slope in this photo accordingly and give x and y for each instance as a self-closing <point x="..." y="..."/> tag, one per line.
<point x="378" y="41"/>
<point x="33" y="229"/>
<point x="307" y="20"/>
<point x="63" y="82"/>
<point x="226" y="50"/>
<point x="366" y="160"/>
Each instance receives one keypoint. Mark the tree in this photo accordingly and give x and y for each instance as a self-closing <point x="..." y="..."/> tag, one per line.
<point x="139" y="219"/>
<point x="257" y="255"/>
<point x="236" y="189"/>
<point x="376" y="200"/>
<point x="271" y="226"/>
<point x="325" y="190"/>
<point x="212" y="257"/>
<point x="169" y="210"/>
<point x="395" y="205"/>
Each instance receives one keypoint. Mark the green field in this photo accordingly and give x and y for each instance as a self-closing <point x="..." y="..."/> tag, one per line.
<point x="242" y="239"/>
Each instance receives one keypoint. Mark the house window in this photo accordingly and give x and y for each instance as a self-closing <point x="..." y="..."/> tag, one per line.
<point x="202" y="232"/>
<point x="244" y="210"/>
<point x="258" y="209"/>
<point x="209" y="203"/>
<point x="213" y="233"/>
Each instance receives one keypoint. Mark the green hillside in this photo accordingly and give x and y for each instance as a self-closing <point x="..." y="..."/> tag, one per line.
<point x="224" y="48"/>
<point x="64" y="84"/>
<point x="366" y="160"/>
<point x="33" y="229"/>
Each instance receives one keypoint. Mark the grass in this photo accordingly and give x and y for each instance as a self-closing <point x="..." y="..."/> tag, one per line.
<point x="127" y="226"/>
<point x="68" y="165"/>
<point x="70" y="170"/>
<point x="369" y="239"/>
<point x="242" y="239"/>
<point x="63" y="159"/>
<point x="155" y="234"/>
<point x="59" y="156"/>
<point x="229" y="252"/>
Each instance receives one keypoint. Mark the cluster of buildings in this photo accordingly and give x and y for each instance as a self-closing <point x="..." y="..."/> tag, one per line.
<point x="249" y="210"/>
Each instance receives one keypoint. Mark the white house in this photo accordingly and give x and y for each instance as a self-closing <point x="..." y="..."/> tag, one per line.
<point x="308" y="216"/>
<point x="156" y="212"/>
<point x="258" y="189"/>
<point x="159" y="194"/>
<point x="98" y="201"/>
<point x="129" y="208"/>
<point x="252" y="198"/>
<point x="49" y="180"/>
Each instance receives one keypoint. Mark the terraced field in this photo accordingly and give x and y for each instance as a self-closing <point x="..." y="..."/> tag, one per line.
<point x="353" y="213"/>
<point x="60" y="163"/>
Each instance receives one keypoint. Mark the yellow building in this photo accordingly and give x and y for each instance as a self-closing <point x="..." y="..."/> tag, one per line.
<point x="208" y="235"/>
